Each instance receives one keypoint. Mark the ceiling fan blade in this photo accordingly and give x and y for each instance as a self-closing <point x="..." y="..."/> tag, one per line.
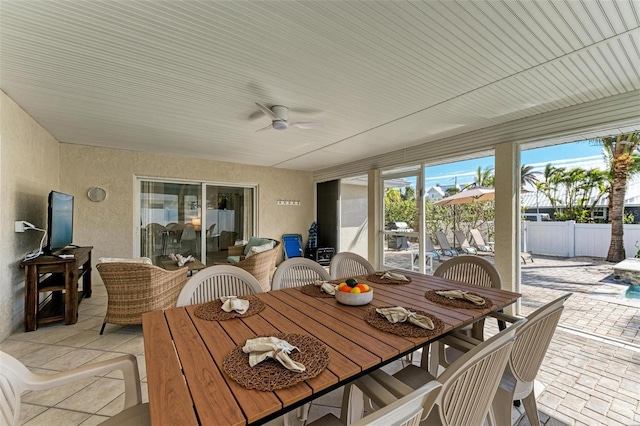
<point x="307" y="125"/>
<point x="255" y="115"/>
<point x="267" y="111"/>
<point x="269" y="127"/>
<point x="308" y="111"/>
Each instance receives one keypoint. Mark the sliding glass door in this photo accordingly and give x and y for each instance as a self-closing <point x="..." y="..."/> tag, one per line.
<point x="402" y="206"/>
<point x="229" y="217"/>
<point x="174" y="219"/>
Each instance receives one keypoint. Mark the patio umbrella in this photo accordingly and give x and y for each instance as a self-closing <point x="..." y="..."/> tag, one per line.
<point x="468" y="196"/>
<point x="464" y="197"/>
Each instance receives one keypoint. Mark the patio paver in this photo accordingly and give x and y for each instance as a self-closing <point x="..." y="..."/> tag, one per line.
<point x="591" y="374"/>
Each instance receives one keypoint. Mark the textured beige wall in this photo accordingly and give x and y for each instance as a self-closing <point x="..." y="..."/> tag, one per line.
<point x="29" y="169"/>
<point x="109" y="225"/>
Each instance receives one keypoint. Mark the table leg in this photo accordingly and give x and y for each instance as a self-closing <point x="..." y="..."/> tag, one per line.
<point x="31" y="298"/>
<point x="86" y="278"/>
<point x="71" y="293"/>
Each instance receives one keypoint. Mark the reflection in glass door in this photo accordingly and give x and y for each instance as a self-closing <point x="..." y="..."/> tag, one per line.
<point x="229" y="217"/>
<point x="171" y="219"/>
<point x="402" y="224"/>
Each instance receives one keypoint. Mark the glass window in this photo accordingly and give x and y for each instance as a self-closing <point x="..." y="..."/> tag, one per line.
<point x="172" y="219"/>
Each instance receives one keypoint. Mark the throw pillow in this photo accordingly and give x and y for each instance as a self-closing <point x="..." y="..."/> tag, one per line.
<point x="144" y="260"/>
<point x="260" y="248"/>
<point x="254" y="241"/>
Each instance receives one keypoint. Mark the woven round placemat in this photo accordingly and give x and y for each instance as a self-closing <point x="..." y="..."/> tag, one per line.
<point x="270" y="375"/>
<point x="456" y="303"/>
<point x="376" y="277"/>
<point x="212" y="311"/>
<point x="404" y="329"/>
<point x="314" y="291"/>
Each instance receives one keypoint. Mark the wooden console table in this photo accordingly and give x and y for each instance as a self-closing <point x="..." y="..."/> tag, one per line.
<point x="59" y="276"/>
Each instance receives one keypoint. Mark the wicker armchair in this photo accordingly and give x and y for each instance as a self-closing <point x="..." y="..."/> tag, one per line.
<point x="136" y="288"/>
<point x="260" y="265"/>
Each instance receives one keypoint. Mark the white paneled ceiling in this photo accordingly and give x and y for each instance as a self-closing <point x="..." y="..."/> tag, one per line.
<point x="183" y="77"/>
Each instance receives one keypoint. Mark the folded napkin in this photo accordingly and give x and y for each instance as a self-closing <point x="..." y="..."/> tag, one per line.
<point x="326" y="287"/>
<point x="460" y="294"/>
<point x="394" y="276"/>
<point x="262" y="348"/>
<point x="233" y="303"/>
<point x="182" y="260"/>
<point x="400" y="314"/>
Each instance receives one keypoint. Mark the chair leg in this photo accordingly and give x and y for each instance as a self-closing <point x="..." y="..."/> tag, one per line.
<point x="531" y="408"/>
<point x="501" y="407"/>
<point x="352" y="404"/>
<point x="102" y="329"/>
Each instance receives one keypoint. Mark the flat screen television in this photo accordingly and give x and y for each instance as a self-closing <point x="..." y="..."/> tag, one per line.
<point x="59" y="222"/>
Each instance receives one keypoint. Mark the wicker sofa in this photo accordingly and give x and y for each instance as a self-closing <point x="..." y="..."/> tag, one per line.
<point x="134" y="288"/>
<point x="261" y="265"/>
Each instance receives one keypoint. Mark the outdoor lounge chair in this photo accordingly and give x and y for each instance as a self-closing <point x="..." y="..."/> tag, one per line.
<point x="430" y="253"/>
<point x="445" y="247"/>
<point x="479" y="241"/>
<point x="463" y="245"/>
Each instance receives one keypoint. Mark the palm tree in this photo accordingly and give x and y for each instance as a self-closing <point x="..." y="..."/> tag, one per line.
<point x="483" y="178"/>
<point x="527" y="176"/>
<point x="622" y="148"/>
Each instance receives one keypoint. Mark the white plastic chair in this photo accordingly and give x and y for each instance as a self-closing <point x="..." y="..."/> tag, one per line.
<point x="405" y="411"/>
<point x="529" y="350"/>
<point x="215" y="281"/>
<point x="474" y="270"/>
<point x="296" y="272"/>
<point x="189" y="238"/>
<point x="468" y="385"/>
<point x="15" y="379"/>
<point x="347" y="264"/>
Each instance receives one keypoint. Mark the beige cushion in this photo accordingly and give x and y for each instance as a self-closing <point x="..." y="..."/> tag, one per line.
<point x="144" y="260"/>
<point x="259" y="249"/>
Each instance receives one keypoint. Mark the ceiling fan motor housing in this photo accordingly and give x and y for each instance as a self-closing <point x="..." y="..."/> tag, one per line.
<point x="279" y="124"/>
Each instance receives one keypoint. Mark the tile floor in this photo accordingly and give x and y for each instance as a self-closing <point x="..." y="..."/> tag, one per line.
<point x="574" y="388"/>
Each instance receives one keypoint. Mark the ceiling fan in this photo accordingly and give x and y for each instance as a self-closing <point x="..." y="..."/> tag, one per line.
<point x="279" y="116"/>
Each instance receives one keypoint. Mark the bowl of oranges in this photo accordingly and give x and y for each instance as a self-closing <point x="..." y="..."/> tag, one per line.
<point x="351" y="292"/>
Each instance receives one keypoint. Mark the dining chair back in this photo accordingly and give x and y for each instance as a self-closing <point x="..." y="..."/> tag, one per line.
<point x="298" y="271"/>
<point x="474" y="270"/>
<point x="189" y="239"/>
<point x="468" y="385"/>
<point x="529" y="350"/>
<point x="16" y="379"/>
<point x="347" y="264"/>
<point x="403" y="411"/>
<point x="215" y="281"/>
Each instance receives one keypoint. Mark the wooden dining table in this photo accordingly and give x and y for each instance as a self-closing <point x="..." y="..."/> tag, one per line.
<point x="185" y="354"/>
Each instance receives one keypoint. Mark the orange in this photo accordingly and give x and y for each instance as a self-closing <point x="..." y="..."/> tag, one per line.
<point x="345" y="288"/>
<point x="363" y="288"/>
<point x="355" y="290"/>
<point x="341" y="285"/>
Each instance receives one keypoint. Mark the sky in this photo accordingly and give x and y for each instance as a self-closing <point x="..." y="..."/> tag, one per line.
<point x="586" y="154"/>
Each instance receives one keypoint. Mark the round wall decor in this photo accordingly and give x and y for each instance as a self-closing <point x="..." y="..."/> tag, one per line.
<point x="97" y="194"/>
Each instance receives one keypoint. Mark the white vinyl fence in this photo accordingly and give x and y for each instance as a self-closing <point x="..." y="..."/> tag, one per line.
<point x="569" y="239"/>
